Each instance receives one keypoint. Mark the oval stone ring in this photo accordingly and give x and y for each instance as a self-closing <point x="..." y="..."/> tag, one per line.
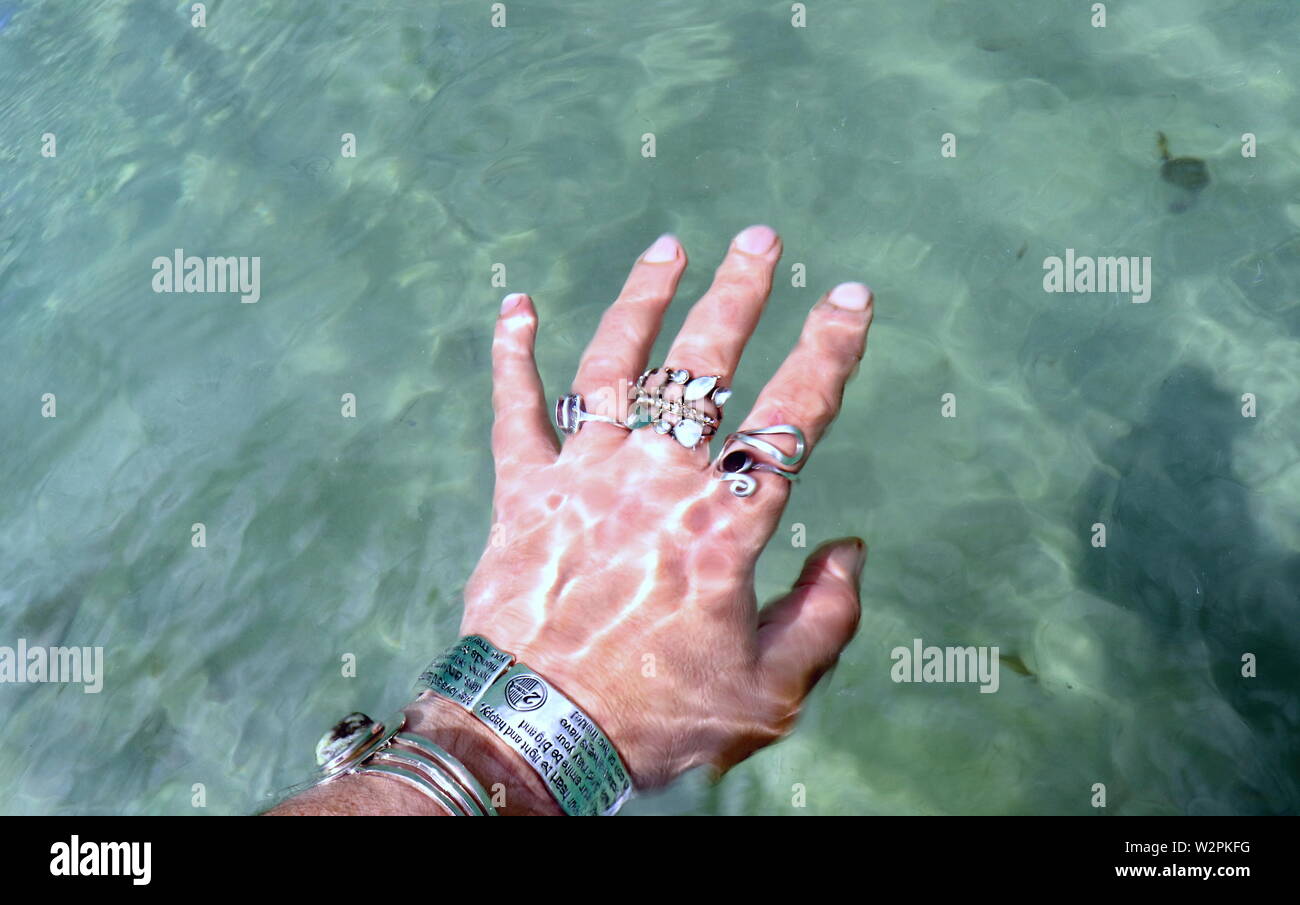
<point x="570" y="415"/>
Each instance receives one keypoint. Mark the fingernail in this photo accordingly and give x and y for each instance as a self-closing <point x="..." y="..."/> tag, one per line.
<point x="756" y="240"/>
<point x="850" y="296"/>
<point x="852" y="556"/>
<point x="511" y="302"/>
<point x="664" y="249"/>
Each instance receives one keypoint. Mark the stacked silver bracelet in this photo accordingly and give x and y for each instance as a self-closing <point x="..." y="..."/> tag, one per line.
<point x="359" y="745"/>
<point x="560" y="742"/>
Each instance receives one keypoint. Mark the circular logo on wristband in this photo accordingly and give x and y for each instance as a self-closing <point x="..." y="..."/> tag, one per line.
<point x="525" y="693"/>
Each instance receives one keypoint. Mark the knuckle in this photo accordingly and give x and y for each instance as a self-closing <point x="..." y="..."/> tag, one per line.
<point x="696" y="357"/>
<point x="777" y="717"/>
<point x="735" y="294"/>
<point x="826" y="336"/>
<point x="807" y="404"/>
<point x="820" y="401"/>
<point x="648" y="289"/>
<point x="602" y="367"/>
<point x="619" y="334"/>
<point x="738" y="267"/>
<point x="616" y="320"/>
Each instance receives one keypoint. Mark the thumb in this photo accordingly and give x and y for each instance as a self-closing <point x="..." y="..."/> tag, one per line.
<point x="801" y="635"/>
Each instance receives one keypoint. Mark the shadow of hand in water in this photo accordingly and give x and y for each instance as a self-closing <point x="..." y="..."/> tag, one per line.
<point x="1184" y="553"/>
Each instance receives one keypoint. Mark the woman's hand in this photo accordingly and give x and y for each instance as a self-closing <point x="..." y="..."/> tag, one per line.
<point x="621" y="569"/>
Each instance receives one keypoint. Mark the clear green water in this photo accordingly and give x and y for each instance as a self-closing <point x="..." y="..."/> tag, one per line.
<point x="521" y="145"/>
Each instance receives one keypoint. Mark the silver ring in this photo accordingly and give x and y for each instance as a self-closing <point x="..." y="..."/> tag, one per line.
<point x="570" y="414"/>
<point x="735" y="465"/>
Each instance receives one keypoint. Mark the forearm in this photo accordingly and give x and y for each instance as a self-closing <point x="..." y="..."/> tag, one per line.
<point x="514" y="787"/>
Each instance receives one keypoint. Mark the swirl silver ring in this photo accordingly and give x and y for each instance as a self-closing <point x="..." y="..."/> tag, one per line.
<point x="735" y="465"/>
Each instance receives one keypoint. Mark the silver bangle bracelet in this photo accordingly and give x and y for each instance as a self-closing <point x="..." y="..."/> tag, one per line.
<point x="453" y="767"/>
<point x="360" y="745"/>
<point x="411" y="778"/>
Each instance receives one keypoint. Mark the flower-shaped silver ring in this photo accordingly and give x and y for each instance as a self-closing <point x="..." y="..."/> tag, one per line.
<point x="669" y="400"/>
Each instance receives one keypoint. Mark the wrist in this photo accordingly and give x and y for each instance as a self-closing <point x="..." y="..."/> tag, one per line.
<point x="514" y="787"/>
